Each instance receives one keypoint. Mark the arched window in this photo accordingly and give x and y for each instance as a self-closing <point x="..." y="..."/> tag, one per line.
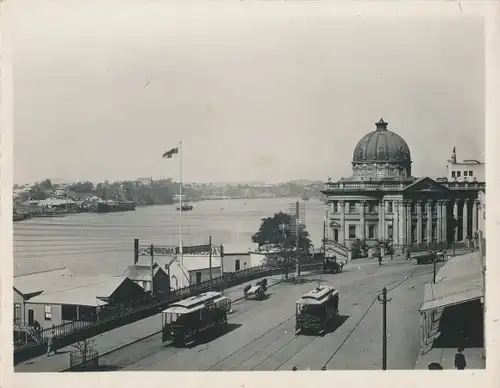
<point x="361" y="153"/>
<point x="381" y="152"/>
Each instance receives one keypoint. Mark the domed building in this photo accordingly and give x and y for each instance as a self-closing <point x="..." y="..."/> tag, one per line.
<point x="382" y="200"/>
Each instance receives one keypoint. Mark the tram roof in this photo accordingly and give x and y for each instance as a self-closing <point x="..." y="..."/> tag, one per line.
<point x="318" y="295"/>
<point x="195" y="301"/>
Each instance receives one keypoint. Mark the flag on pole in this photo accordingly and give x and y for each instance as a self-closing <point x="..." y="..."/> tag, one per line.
<point x="168" y="154"/>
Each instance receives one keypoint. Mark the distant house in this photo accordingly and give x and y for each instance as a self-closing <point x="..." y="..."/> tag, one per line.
<point x="192" y="270"/>
<point x="141" y="275"/>
<point x="237" y="257"/>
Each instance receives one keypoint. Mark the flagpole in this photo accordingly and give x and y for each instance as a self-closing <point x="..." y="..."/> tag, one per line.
<point x="180" y="215"/>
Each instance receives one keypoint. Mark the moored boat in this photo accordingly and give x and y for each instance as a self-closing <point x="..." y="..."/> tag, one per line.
<point x="114" y="206"/>
<point x="185" y="207"/>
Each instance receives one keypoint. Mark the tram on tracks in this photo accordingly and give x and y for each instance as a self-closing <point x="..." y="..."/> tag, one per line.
<point x="184" y="320"/>
<point x="316" y="310"/>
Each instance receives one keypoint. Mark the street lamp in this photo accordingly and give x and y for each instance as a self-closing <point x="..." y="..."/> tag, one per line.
<point x="434" y="264"/>
<point x="383" y="299"/>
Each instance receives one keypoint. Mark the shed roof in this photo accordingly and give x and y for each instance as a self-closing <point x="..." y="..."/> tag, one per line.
<point x="36" y="282"/>
<point x="90" y="294"/>
<point x="460" y="266"/>
<point x="140" y="272"/>
<point x="459" y="281"/>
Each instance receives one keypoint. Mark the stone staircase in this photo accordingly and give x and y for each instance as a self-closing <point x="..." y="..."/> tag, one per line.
<point x="338" y="249"/>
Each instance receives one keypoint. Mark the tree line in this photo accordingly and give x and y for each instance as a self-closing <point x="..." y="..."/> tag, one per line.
<point x="154" y="193"/>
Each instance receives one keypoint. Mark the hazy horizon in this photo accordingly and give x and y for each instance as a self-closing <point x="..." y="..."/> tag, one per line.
<point x="101" y="92"/>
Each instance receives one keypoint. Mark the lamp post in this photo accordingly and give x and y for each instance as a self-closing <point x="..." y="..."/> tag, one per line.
<point x="434" y="263"/>
<point x="384" y="300"/>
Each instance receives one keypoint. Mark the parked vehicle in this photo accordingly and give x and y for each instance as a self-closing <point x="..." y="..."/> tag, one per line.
<point x="331" y="265"/>
<point x="184" y="320"/>
<point x="316" y="309"/>
<point x="425" y="257"/>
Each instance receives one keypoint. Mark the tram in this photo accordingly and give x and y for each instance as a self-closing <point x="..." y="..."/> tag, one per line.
<point x="316" y="309"/>
<point x="184" y="320"/>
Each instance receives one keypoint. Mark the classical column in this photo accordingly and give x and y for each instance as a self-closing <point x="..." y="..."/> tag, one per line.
<point x="429" y="222"/>
<point x="402" y="218"/>
<point x="409" y="240"/>
<point x="475" y="216"/>
<point x="465" y="220"/>
<point x="444" y="221"/>
<point x="439" y="228"/>
<point x="395" y="223"/>
<point x="381" y="220"/>
<point x="342" y="222"/>
<point x="362" y="206"/>
<point x="455" y="216"/>
<point x="419" y="222"/>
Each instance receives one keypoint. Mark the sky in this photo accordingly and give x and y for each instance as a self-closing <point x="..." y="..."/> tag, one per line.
<point x="100" y="92"/>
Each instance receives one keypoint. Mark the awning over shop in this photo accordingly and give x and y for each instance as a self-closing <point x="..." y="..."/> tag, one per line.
<point x="459" y="281"/>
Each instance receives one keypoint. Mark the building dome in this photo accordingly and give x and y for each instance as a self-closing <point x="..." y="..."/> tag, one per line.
<point x="382" y="153"/>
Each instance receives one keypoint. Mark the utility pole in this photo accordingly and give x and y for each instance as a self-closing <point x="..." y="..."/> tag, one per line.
<point x="152" y="268"/>
<point x="297" y="235"/>
<point x="383" y="299"/>
<point x="210" y="259"/>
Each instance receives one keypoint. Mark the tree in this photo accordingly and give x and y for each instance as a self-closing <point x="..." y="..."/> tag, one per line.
<point x="46" y="184"/>
<point x="359" y="249"/>
<point x="37" y="193"/>
<point x="279" y="230"/>
<point x="83" y="187"/>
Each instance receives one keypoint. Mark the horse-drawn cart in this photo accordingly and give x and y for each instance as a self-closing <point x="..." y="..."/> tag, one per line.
<point x="257" y="292"/>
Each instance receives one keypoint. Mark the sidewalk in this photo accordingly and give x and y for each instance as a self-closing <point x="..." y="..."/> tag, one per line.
<point x="446" y="357"/>
<point x="121" y="336"/>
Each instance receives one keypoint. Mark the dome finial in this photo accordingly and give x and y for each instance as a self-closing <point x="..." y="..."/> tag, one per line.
<point x="381" y="125"/>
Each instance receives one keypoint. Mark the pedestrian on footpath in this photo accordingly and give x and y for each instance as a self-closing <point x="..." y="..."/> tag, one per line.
<point x="460" y="362"/>
<point x="50" y="343"/>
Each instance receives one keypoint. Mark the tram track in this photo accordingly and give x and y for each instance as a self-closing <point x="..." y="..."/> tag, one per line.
<point x="170" y="352"/>
<point x="391" y="286"/>
<point x="367" y="310"/>
<point x="344" y="290"/>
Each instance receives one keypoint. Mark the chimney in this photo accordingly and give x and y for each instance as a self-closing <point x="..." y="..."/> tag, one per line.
<point x="136" y="251"/>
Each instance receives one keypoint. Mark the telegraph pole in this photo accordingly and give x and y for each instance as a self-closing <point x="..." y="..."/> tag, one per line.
<point x="297" y="235"/>
<point x="210" y="259"/>
<point x="152" y="268"/>
<point x="383" y="299"/>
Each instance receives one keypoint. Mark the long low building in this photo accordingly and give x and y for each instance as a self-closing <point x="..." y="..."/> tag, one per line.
<point x="54" y="297"/>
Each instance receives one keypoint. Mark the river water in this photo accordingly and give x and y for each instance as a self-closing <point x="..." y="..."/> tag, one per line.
<point x="93" y="243"/>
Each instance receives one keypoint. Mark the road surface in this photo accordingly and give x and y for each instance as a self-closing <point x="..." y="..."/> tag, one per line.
<point x="260" y="334"/>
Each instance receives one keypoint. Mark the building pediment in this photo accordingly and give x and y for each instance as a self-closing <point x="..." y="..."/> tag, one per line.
<point x="427" y="185"/>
